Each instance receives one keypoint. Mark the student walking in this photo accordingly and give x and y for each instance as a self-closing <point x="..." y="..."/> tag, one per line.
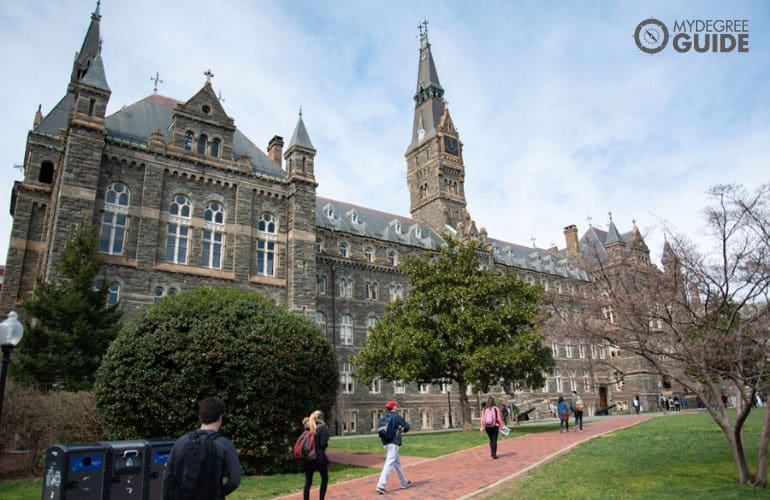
<point x="392" y="423"/>
<point x="562" y="408"/>
<point x="491" y="421"/>
<point x="576" y="405"/>
<point x="206" y="452"/>
<point x="316" y="425"/>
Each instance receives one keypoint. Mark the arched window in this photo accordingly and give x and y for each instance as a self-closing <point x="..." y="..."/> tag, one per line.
<point x="202" y="144"/>
<point x="113" y="297"/>
<point x="266" y="229"/>
<point x="188" y="140"/>
<point x="215" y="147"/>
<point x="343" y="248"/>
<point x="319" y="244"/>
<point x="178" y="230"/>
<point x="369" y="253"/>
<point x="321" y="282"/>
<point x="114" y="219"/>
<point x="213" y="235"/>
<point x="46" y="172"/>
<point x="392" y="257"/>
<point x="320" y="320"/>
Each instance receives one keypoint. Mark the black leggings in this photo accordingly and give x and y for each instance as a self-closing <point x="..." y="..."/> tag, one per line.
<point x="492" y="433"/>
<point x="323" y="470"/>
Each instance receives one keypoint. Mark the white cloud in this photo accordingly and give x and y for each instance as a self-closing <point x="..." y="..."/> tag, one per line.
<point x="560" y="114"/>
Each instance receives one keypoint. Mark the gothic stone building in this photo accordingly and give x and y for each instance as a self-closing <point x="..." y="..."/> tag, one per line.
<point x="183" y="199"/>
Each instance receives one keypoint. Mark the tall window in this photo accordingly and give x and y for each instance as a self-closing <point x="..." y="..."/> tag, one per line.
<point x="321" y="282"/>
<point x="395" y="292"/>
<point x="343" y="247"/>
<point x="376" y="386"/>
<point x="178" y="231"/>
<point x="213" y="235"/>
<point x="114" y="219"/>
<point x="319" y="244"/>
<point x="555" y="349"/>
<point x="320" y="320"/>
<point x="369" y="253"/>
<point x="399" y="387"/>
<point x="202" y="144"/>
<point x="215" y="147"/>
<point x="188" y="141"/>
<point x="266" y="234"/>
<point x="392" y="257"/>
<point x="370" y="290"/>
<point x="371" y="322"/>
<point x="568" y="350"/>
<point x="346" y="287"/>
<point x="559" y="384"/>
<point x="346" y="330"/>
<point x="113" y="297"/>
<point x="346" y="378"/>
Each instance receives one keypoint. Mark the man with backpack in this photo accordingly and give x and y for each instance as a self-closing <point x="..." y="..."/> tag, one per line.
<point x="576" y="405"/>
<point x="390" y="428"/>
<point x="199" y="460"/>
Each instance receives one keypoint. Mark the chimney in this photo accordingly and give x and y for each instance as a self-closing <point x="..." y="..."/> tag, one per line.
<point x="275" y="149"/>
<point x="571" y="237"/>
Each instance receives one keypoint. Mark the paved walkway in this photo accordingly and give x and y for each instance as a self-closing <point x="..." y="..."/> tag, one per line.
<point x="468" y="472"/>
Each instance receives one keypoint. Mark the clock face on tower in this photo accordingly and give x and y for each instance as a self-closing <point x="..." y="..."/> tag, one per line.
<point x="450" y="145"/>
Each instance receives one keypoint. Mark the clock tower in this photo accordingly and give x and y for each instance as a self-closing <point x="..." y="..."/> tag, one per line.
<point x="435" y="170"/>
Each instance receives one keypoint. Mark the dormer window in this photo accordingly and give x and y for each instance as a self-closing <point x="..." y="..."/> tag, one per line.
<point x="329" y="211"/>
<point x="354" y="217"/>
<point x="418" y="232"/>
<point x="396" y="226"/>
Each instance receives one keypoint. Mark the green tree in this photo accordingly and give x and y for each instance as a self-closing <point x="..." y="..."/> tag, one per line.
<point x="68" y="324"/>
<point x="270" y="367"/>
<point x="460" y="323"/>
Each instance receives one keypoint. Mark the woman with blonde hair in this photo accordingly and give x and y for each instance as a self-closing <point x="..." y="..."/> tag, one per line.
<point x="316" y="425"/>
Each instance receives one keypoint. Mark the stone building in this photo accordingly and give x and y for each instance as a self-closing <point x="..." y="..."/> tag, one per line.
<point x="183" y="198"/>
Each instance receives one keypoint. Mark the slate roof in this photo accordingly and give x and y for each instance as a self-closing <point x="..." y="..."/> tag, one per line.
<point x="137" y="121"/>
<point x="300" y="137"/>
<point x="533" y="259"/>
<point x="360" y="221"/>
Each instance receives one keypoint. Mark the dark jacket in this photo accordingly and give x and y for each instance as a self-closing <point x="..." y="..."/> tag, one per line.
<point x="321" y="443"/>
<point x="227" y="463"/>
<point x="402" y="427"/>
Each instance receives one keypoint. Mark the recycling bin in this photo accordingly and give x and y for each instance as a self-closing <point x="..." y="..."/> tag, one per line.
<point x="156" y="456"/>
<point x="126" y="476"/>
<point x="76" y="472"/>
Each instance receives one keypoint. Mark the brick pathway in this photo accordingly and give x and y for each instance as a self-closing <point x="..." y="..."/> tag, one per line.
<point x="465" y="473"/>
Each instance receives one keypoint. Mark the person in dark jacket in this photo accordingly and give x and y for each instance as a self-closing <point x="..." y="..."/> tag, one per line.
<point x="563" y="410"/>
<point x="317" y="426"/>
<point x="210" y="412"/>
<point x="392" y="460"/>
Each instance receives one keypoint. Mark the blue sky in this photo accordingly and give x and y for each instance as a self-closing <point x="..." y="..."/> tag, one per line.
<point x="562" y="117"/>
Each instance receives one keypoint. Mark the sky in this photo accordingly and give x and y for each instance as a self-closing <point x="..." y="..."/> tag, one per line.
<point x="563" y="119"/>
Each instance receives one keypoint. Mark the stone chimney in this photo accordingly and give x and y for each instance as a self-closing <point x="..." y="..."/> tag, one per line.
<point x="275" y="149"/>
<point x="571" y="237"/>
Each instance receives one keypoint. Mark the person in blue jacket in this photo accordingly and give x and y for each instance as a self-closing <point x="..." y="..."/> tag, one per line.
<point x="392" y="460"/>
<point x="562" y="409"/>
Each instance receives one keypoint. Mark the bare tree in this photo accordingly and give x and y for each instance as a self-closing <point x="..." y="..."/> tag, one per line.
<point x="702" y="322"/>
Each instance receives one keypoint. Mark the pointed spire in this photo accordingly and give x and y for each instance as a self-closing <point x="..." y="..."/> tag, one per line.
<point x="300" y="137"/>
<point x="429" y="96"/>
<point x="613" y="235"/>
<point x="95" y="76"/>
<point x="92" y="45"/>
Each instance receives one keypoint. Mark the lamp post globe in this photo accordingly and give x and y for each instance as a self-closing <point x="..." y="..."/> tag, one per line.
<point x="11" y="331"/>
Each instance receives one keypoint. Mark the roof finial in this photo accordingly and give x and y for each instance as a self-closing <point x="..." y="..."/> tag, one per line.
<point x="423" y="27"/>
<point x="533" y="239"/>
<point x="157" y="80"/>
<point x="589" y="219"/>
<point x="610" y="214"/>
<point x="300" y="112"/>
<point x="209" y="75"/>
<point x="96" y="15"/>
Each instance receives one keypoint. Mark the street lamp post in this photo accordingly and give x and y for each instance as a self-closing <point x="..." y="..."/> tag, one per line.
<point x="11" y="331"/>
<point x="449" y="404"/>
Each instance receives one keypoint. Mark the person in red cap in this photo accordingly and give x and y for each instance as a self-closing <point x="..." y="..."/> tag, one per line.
<point x="394" y="421"/>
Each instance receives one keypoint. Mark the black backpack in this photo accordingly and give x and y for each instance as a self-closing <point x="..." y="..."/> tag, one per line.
<point x="386" y="428"/>
<point x="194" y="474"/>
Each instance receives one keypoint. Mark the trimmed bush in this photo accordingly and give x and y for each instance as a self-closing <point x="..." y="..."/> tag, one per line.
<point x="269" y="366"/>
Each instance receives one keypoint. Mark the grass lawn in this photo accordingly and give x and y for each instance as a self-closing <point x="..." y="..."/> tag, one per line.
<point x="683" y="456"/>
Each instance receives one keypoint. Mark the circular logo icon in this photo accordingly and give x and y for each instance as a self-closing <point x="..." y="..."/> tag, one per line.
<point x="651" y="36"/>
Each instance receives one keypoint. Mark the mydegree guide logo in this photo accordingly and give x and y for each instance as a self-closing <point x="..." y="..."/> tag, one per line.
<point x="699" y="35"/>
